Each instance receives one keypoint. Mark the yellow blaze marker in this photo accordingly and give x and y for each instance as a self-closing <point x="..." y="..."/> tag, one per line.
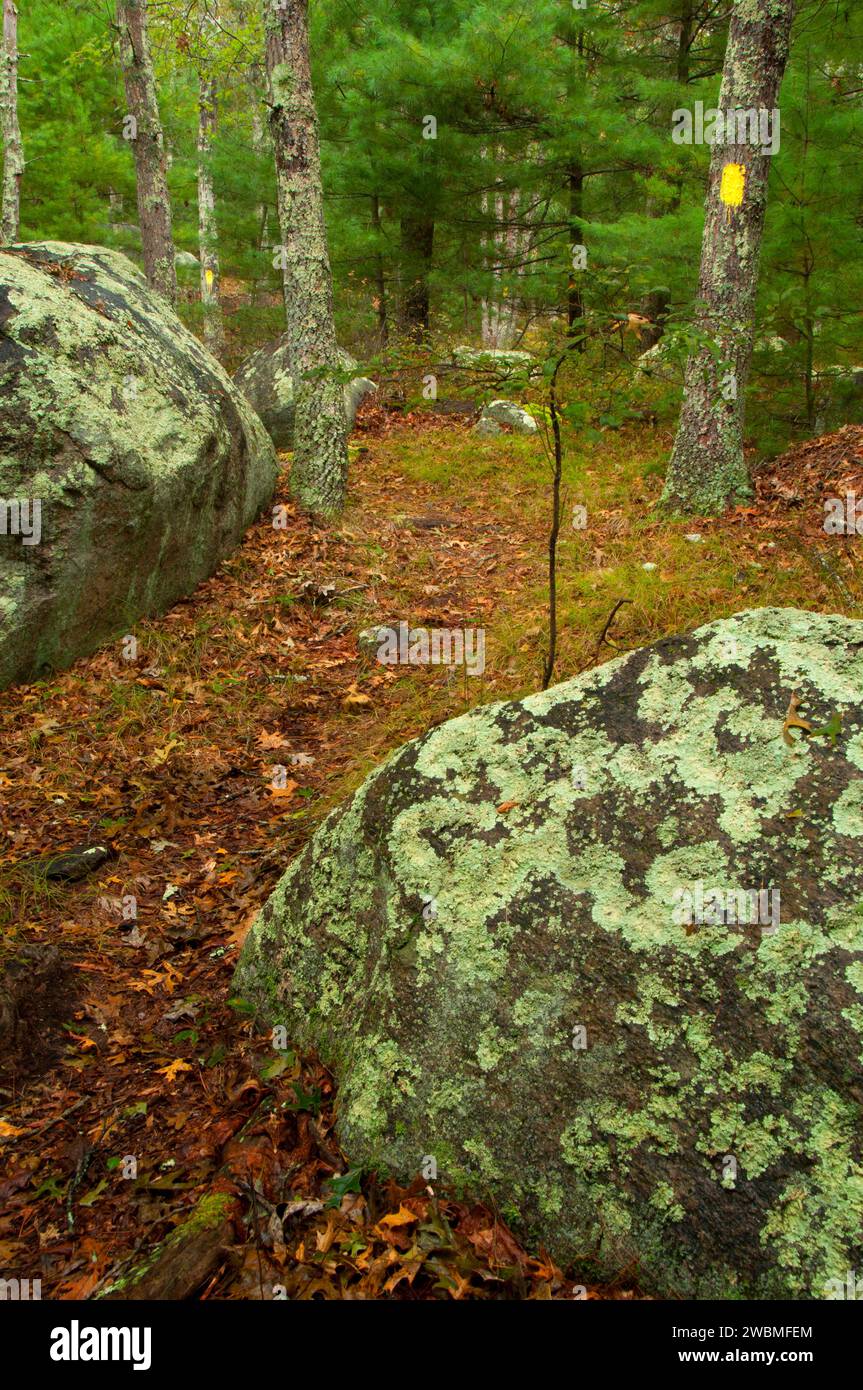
<point x="732" y="185"/>
<point x="209" y="277"/>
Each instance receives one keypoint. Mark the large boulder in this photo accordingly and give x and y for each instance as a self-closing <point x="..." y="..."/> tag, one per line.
<point x="129" y="464"/>
<point x="266" y="382"/>
<point x="496" y="943"/>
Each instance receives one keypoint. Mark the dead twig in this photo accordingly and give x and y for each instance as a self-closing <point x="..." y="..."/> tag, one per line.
<point x="603" y="636"/>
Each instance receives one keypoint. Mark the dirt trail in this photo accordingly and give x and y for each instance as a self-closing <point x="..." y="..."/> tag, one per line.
<point x="202" y="760"/>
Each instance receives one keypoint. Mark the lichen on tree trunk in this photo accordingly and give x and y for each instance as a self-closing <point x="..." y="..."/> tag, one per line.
<point x="319" y="473"/>
<point x="13" y="153"/>
<point x="708" y="471"/>
<point x="148" y="144"/>
<point x="208" y="236"/>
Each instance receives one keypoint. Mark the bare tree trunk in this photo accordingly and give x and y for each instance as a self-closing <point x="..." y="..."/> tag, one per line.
<point x="685" y="36"/>
<point x="505" y="247"/>
<point x="13" y="153"/>
<point x="262" y="146"/>
<point x="708" y="471"/>
<point x="208" y="234"/>
<point x="575" y="297"/>
<point x="320" y="467"/>
<point x="154" y="204"/>
<point x="417" y="247"/>
<point x="380" y="277"/>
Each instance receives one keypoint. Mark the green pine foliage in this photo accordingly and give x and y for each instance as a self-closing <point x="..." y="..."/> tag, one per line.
<point x="552" y="128"/>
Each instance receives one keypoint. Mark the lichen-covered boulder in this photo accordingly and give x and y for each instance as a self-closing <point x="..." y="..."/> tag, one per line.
<point x="498" y="413"/>
<point x="503" y="361"/>
<point x="525" y="946"/>
<point x="129" y="464"/>
<point x="664" y="361"/>
<point x="266" y="382"/>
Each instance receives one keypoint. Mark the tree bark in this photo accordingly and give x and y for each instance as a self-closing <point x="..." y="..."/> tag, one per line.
<point x="685" y="35"/>
<point x="708" y="470"/>
<point x="503" y="251"/>
<point x="575" y="297"/>
<point x="208" y="235"/>
<point x="320" y="467"/>
<point x="154" y="204"/>
<point x="380" y="277"/>
<point x="417" y="247"/>
<point x="263" y="148"/>
<point x="13" y="153"/>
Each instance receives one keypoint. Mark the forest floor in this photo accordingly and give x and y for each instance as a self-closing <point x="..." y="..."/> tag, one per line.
<point x="128" y="1043"/>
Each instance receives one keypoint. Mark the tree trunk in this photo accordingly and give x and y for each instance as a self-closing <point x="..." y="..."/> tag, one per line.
<point x="380" y="277"/>
<point x="685" y="36"/>
<point x="208" y="235"/>
<point x="154" y="204"/>
<point x="417" y="246"/>
<point x="262" y="147"/>
<point x="708" y="471"/>
<point x="575" y="298"/>
<point x="13" y="153"/>
<point x="320" y="467"/>
<point x="503" y="248"/>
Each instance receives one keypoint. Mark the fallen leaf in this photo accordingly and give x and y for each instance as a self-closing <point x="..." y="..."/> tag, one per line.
<point x="355" y="699"/>
<point x="402" y="1217"/>
<point x="793" y="721"/>
<point x="171" y="1071"/>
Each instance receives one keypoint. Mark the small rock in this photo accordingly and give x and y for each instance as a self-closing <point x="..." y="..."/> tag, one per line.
<point x="76" y="863"/>
<point x="370" y="639"/>
<point x="506" y="413"/>
<point x="503" y="360"/>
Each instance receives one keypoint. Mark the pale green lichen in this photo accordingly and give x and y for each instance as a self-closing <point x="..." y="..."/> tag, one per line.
<point x="148" y="463"/>
<point x="461" y="1032"/>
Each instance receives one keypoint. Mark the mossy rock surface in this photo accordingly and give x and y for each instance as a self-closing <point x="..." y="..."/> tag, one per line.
<point x="265" y="380"/>
<point x="444" y="954"/>
<point x="502" y="360"/>
<point x="148" y="463"/>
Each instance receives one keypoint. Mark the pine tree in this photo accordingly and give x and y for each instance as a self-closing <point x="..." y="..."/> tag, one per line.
<point x="708" y="471"/>
<point x="208" y="236"/>
<point x="13" y="154"/>
<point x="319" y="473"/>
<point x="208" y="232"/>
<point x="154" y="203"/>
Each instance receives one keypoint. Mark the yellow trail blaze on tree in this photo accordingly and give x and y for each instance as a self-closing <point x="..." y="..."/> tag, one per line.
<point x="732" y="185"/>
